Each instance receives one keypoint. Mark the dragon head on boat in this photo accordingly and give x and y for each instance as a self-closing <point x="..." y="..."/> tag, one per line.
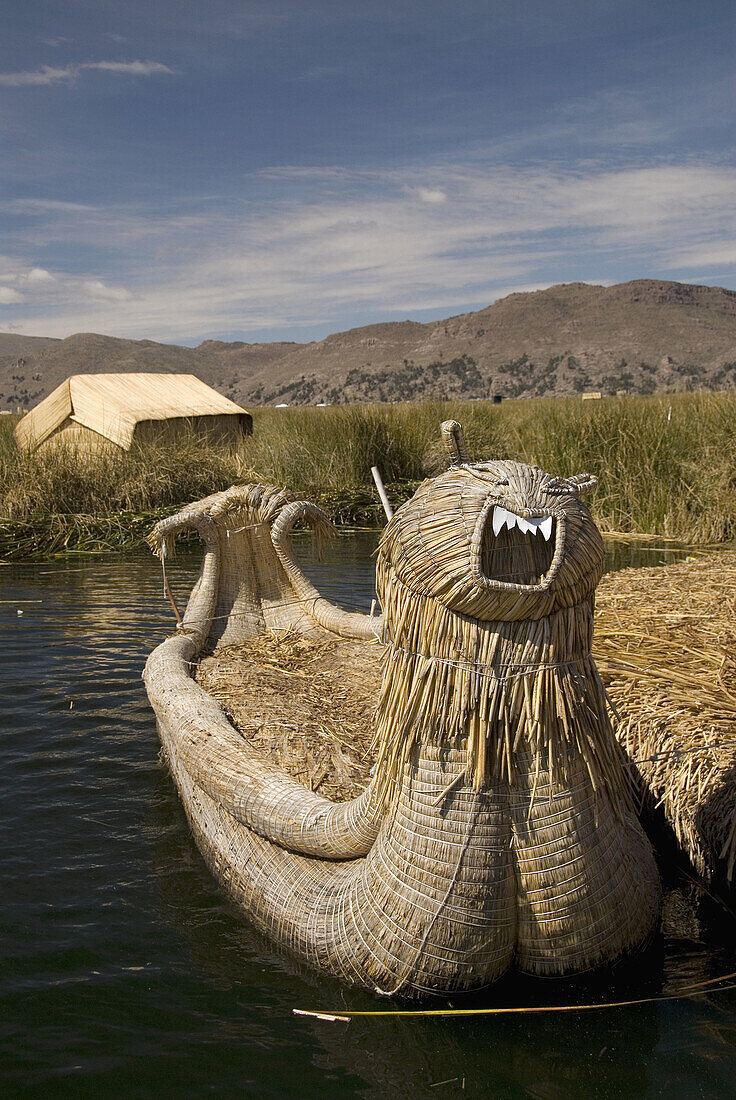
<point x="486" y="578"/>
<point x="494" y="540"/>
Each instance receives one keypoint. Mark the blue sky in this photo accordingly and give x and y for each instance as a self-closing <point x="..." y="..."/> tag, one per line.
<point x="282" y="169"/>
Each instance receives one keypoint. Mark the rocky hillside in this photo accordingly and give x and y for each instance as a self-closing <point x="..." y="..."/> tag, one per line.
<point x="638" y="337"/>
<point x="36" y="366"/>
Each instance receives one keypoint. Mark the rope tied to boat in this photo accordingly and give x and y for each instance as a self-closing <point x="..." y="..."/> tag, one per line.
<point x="167" y="586"/>
<point x="696" y="989"/>
<point x="500" y="673"/>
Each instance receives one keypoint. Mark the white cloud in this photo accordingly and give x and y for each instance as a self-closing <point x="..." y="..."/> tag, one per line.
<point x="705" y="255"/>
<point x="45" y="206"/>
<point x="134" y="68"/>
<point x="39" y="275"/>
<point x="97" y="289"/>
<point x="45" y="75"/>
<point x="38" y="286"/>
<point x="48" y="74"/>
<point x="342" y="247"/>
<point x="428" y="194"/>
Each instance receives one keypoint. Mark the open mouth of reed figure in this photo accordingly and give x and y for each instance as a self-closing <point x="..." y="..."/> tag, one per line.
<point x="519" y="550"/>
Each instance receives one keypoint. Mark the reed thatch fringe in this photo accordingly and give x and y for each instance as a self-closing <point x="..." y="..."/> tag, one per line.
<point x="490" y="687"/>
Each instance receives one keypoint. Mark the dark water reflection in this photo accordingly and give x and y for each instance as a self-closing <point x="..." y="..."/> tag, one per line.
<point x="126" y="973"/>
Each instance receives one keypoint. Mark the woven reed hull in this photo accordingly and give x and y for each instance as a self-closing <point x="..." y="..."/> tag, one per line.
<point x="439" y="887"/>
<point x="448" y="898"/>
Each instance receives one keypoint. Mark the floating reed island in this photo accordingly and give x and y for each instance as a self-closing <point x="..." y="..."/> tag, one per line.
<point x="665" y="643"/>
<point x="482" y="813"/>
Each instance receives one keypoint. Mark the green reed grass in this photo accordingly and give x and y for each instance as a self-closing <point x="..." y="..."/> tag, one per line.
<point x="315" y="449"/>
<point x="63" y="500"/>
<point x="149" y="476"/>
<point x="666" y="466"/>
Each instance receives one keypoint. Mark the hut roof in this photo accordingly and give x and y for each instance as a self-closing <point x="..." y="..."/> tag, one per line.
<point x="112" y="405"/>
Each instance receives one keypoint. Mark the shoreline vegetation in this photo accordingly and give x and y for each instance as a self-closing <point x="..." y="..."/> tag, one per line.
<point x="666" y="466"/>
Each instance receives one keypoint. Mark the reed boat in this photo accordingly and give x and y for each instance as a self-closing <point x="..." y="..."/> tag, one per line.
<point x="487" y="820"/>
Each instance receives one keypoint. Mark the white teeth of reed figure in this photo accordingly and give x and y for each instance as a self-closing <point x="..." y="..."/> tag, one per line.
<point x="497" y="828"/>
<point x="503" y="518"/>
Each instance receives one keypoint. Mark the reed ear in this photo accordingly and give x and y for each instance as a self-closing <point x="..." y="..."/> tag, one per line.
<point x="454" y="440"/>
<point x="583" y="483"/>
<point x="578" y="483"/>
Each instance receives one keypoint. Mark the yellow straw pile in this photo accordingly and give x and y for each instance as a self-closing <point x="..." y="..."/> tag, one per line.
<point x="666" y="648"/>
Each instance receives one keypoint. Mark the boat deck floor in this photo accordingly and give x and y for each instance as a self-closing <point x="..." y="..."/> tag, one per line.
<point x="306" y="703"/>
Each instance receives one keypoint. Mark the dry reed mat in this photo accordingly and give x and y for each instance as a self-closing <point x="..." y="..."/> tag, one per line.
<point x="665" y="643"/>
<point x="306" y="703"/>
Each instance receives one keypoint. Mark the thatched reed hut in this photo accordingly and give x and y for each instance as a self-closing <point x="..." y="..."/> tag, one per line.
<point x="93" y="411"/>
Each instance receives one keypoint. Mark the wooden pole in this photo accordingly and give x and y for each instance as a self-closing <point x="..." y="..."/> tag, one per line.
<point x="382" y="492"/>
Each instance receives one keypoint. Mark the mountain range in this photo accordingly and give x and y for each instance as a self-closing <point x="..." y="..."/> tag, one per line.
<point x="638" y="337"/>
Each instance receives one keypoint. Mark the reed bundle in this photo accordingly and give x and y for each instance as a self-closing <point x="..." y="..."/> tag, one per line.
<point x="665" y="644"/>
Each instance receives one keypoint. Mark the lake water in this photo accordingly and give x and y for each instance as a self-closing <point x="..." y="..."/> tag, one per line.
<point x="126" y="973"/>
